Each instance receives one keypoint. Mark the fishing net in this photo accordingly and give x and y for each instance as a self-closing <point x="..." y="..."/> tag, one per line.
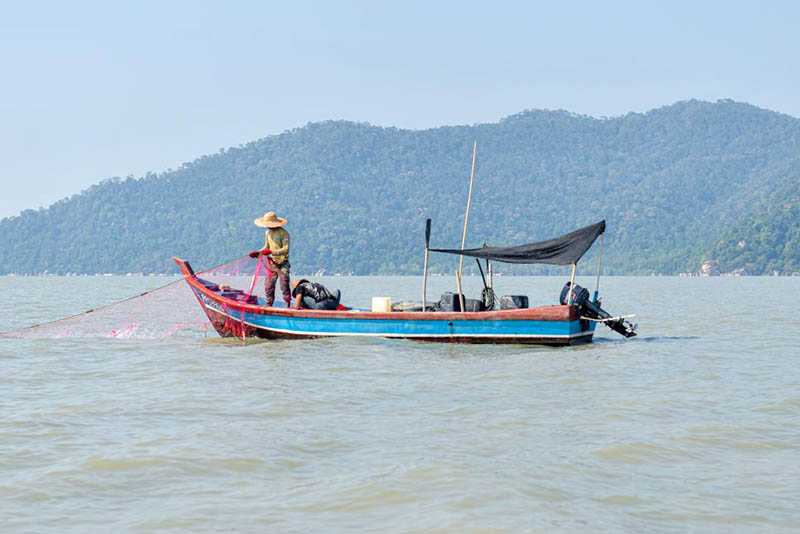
<point x="128" y="307"/>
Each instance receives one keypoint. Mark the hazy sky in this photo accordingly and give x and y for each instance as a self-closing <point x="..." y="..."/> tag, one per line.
<point x="94" y="90"/>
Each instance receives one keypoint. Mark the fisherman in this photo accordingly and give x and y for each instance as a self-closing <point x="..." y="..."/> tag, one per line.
<point x="314" y="296"/>
<point x="276" y="248"/>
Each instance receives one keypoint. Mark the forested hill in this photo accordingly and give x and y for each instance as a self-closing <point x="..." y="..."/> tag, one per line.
<point x="767" y="239"/>
<point x="676" y="185"/>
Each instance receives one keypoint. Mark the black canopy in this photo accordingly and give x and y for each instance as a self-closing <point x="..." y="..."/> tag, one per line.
<point x="562" y="250"/>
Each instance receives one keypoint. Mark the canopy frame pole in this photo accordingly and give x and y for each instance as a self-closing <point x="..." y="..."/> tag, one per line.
<point x="488" y="281"/>
<point x="599" y="267"/>
<point x="466" y="222"/>
<point x="572" y="284"/>
<point x="425" y="268"/>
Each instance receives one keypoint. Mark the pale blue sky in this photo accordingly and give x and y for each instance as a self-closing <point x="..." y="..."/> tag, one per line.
<point x="92" y="90"/>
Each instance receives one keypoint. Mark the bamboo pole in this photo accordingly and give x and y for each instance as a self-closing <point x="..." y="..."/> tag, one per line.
<point x="572" y="284"/>
<point x="466" y="222"/>
<point x="461" y="295"/>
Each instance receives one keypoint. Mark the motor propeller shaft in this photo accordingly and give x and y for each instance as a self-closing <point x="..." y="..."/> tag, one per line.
<point x="592" y="310"/>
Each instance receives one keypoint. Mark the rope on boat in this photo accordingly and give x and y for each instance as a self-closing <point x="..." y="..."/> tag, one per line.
<point x="181" y="279"/>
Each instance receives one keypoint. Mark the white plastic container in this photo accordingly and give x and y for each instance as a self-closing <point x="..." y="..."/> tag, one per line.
<point x="381" y="304"/>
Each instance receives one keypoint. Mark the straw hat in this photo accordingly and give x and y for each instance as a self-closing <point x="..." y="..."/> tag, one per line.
<point x="297" y="283"/>
<point x="270" y="220"/>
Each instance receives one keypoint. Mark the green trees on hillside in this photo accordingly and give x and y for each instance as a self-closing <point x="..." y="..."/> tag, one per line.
<point x="767" y="240"/>
<point x="670" y="183"/>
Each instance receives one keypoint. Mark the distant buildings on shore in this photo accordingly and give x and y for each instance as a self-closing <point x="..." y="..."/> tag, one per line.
<point x="711" y="268"/>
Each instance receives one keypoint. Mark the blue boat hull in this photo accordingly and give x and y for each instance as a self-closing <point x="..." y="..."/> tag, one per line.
<point x="550" y="325"/>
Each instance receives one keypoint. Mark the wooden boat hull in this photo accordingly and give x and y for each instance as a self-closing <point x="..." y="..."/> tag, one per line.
<point x="548" y="325"/>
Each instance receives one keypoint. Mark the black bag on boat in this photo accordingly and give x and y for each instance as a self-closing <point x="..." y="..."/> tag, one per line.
<point x="452" y="302"/>
<point x="473" y="305"/>
<point x="449" y="302"/>
<point x="513" y="302"/>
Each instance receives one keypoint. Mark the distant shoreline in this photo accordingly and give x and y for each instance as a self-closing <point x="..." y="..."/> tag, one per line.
<point x="436" y="275"/>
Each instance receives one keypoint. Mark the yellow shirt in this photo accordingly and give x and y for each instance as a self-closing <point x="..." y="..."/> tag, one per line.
<point x="277" y="240"/>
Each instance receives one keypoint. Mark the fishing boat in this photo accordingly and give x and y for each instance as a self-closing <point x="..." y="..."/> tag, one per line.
<point x="455" y="319"/>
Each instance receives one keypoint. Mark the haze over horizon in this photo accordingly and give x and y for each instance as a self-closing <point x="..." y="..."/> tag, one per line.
<point x="102" y="91"/>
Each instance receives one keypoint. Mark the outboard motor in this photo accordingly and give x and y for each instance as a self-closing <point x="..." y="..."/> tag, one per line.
<point x="587" y="308"/>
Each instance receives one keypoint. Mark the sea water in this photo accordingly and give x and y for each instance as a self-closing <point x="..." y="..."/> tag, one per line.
<point x="694" y="425"/>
